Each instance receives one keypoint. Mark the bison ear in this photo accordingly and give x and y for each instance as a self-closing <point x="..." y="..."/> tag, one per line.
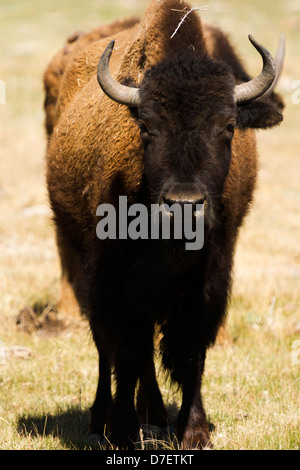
<point x="259" y="114"/>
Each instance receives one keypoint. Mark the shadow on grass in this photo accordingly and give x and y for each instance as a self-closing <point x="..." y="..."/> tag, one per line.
<point x="70" y="427"/>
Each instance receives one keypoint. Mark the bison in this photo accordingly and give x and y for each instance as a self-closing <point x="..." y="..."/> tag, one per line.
<point x="175" y="125"/>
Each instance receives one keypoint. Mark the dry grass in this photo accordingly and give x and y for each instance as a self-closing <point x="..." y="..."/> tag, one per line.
<point x="251" y="390"/>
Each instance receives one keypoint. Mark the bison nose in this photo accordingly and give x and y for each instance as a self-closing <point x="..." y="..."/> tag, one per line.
<point x="194" y="202"/>
<point x="186" y="195"/>
<point x="183" y="193"/>
<point x="200" y="199"/>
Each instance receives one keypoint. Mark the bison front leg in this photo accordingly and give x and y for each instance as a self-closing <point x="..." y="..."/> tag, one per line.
<point x="185" y="359"/>
<point x="123" y="421"/>
<point x="103" y="401"/>
<point x="134" y="351"/>
<point x="192" y="424"/>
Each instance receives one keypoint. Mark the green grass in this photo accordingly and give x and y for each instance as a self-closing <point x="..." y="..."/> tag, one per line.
<point x="251" y="389"/>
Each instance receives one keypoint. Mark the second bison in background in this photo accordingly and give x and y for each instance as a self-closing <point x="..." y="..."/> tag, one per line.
<point x="176" y="125"/>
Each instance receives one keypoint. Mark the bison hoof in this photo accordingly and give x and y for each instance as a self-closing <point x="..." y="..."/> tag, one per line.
<point x="151" y="431"/>
<point x="123" y="427"/>
<point x="197" y="441"/>
<point x="97" y="441"/>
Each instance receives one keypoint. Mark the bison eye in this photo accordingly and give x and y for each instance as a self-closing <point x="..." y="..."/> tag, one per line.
<point x="143" y="130"/>
<point x="230" y="127"/>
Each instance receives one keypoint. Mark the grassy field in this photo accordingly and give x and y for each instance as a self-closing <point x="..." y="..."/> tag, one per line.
<point x="251" y="388"/>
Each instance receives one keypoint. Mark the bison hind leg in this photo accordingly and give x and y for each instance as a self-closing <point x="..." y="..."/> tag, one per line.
<point x="149" y="404"/>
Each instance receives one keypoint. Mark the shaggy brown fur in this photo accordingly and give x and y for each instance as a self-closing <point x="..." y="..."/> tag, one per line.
<point x="75" y="44"/>
<point x="95" y="154"/>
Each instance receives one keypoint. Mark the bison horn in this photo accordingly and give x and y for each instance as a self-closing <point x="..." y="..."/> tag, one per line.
<point x="279" y="59"/>
<point x="259" y="85"/>
<point x="121" y="94"/>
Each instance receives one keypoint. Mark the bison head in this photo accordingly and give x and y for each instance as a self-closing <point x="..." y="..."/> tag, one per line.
<point x="188" y="108"/>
